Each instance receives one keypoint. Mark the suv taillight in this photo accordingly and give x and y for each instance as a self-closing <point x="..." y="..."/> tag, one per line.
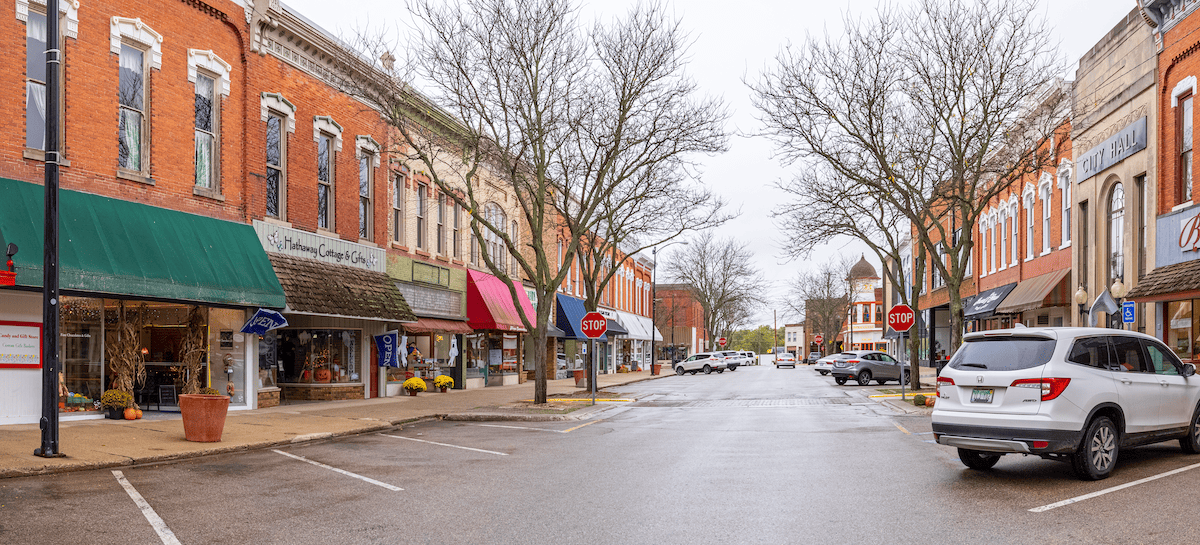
<point x="949" y="382"/>
<point x="1051" y="387"/>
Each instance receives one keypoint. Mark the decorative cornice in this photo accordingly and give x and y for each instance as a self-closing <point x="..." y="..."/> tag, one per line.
<point x="70" y="8"/>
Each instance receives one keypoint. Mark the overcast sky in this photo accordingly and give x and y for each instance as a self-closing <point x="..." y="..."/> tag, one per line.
<point x="733" y="42"/>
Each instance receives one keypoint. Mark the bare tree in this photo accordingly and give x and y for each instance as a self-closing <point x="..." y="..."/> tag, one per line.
<point x="722" y="280"/>
<point x="558" y="115"/>
<point x="925" y="114"/>
<point x="822" y="298"/>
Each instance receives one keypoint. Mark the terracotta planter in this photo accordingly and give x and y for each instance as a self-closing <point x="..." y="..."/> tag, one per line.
<point x="203" y="416"/>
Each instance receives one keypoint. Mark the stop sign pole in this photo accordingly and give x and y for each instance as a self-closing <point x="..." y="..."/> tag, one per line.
<point x="593" y="325"/>
<point x="901" y="318"/>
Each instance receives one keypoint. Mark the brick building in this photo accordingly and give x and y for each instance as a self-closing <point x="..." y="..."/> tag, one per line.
<point x="680" y="318"/>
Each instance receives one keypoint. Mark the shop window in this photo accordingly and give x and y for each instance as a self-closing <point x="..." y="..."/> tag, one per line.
<point x="319" y="355"/>
<point x="1182" y="329"/>
<point x="81" y="349"/>
<point x="207" y="112"/>
<point x="132" y="141"/>
<point x="276" y="190"/>
<point x="422" y="195"/>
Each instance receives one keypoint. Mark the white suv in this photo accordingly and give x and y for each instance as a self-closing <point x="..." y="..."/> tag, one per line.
<point x="704" y="361"/>
<point x="1069" y="394"/>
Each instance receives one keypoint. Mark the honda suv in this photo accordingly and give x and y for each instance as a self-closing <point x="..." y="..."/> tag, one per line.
<point x="705" y="361"/>
<point x="1078" y="395"/>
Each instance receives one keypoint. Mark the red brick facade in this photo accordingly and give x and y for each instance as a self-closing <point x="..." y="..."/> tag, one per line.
<point x="1178" y="67"/>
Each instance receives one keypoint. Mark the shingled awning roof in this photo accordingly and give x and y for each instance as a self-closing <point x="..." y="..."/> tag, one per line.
<point x="1170" y="280"/>
<point x="336" y="290"/>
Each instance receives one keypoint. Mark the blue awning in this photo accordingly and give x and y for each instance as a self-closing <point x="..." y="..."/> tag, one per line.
<point x="570" y="313"/>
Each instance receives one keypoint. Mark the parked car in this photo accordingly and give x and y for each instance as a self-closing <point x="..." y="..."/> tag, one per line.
<point x="1071" y="394"/>
<point x="825" y="365"/>
<point x="785" y="359"/>
<point x="750" y="358"/>
<point x="704" y="361"/>
<point x="866" y="365"/>
<point x="812" y="358"/>
<point x="733" y="359"/>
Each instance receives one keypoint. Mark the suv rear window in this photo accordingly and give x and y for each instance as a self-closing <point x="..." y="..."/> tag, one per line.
<point x="1003" y="353"/>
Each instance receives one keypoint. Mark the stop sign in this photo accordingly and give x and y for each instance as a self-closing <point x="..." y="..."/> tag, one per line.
<point x="819" y="339"/>
<point x="593" y="325"/>
<point x="721" y="341"/>
<point x="901" y="317"/>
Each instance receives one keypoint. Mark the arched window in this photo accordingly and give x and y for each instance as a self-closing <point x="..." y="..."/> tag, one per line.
<point x="493" y="244"/>
<point x="1116" y="232"/>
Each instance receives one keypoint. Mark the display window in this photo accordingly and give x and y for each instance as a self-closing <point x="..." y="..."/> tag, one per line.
<point x="488" y="355"/>
<point x="81" y="350"/>
<point x="1183" y="329"/>
<point x="318" y="356"/>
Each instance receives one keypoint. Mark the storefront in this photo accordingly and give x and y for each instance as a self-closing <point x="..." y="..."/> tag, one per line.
<point x="141" y="287"/>
<point x="338" y="297"/>
<point x="637" y="345"/>
<point x="613" y="353"/>
<point x="1173" y="287"/>
<point x="1041" y="301"/>
<point x="437" y="296"/>
<point x="493" y="354"/>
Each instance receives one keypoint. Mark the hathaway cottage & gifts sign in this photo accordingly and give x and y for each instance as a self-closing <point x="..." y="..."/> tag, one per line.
<point x="293" y="242"/>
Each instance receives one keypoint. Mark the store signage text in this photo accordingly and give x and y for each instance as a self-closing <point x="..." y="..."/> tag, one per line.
<point x="1189" y="233"/>
<point x="1128" y="141"/>
<point x="293" y="242"/>
<point x="20" y="345"/>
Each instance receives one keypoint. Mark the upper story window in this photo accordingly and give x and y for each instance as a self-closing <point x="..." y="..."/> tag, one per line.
<point x="206" y="126"/>
<point x="494" y="246"/>
<point x="398" y="196"/>
<point x="422" y="195"/>
<point x="1046" y="196"/>
<point x="35" y="81"/>
<point x="983" y="253"/>
<point x="1116" y="232"/>
<point x="139" y="49"/>
<point x="441" y="224"/>
<point x="456" y="241"/>
<point x="516" y="265"/>
<point x="325" y="182"/>
<point x="1002" y="234"/>
<point x="1029" y="223"/>
<point x="1064" y="184"/>
<point x="1014" y="215"/>
<point x="366" y="169"/>
<point x="1185" y="148"/>
<point x="280" y="118"/>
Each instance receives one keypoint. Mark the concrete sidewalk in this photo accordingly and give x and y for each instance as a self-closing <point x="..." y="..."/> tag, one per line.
<point x="93" y="444"/>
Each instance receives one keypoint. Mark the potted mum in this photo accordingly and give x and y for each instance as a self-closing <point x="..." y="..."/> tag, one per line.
<point x="442" y="382"/>
<point x="114" y="402"/>
<point x="414" y="385"/>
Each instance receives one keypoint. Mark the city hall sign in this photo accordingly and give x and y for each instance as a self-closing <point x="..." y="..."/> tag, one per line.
<point x="1128" y="141"/>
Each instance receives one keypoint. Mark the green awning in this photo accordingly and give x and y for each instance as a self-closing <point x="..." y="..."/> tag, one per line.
<point x="121" y="248"/>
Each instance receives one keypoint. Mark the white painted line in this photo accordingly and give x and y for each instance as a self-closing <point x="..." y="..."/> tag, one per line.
<point x="342" y="471"/>
<point x="445" y="445"/>
<point x="156" y="522"/>
<point x="1078" y="499"/>
<point x="518" y="428"/>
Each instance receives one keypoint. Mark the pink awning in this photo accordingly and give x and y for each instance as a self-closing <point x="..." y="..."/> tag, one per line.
<point x="490" y="304"/>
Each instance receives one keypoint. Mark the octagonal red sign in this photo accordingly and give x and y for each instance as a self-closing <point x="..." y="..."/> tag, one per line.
<point x="901" y="317"/>
<point x="593" y="325"/>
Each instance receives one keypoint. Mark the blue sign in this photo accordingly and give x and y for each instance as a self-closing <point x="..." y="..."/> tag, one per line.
<point x="263" y="321"/>
<point x="389" y="349"/>
<point x="1128" y="312"/>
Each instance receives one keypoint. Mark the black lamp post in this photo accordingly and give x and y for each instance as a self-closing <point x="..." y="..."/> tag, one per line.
<point x="50" y="387"/>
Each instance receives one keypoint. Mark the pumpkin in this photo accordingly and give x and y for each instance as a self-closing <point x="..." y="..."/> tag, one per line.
<point x="929" y="401"/>
<point x="130" y="413"/>
<point x="323" y="375"/>
<point x="139" y="414"/>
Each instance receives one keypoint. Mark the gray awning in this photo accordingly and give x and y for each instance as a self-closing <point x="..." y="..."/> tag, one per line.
<point x="984" y="305"/>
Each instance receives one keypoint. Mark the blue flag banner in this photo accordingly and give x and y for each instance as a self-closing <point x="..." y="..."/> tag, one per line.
<point x="263" y="321"/>
<point x="389" y="349"/>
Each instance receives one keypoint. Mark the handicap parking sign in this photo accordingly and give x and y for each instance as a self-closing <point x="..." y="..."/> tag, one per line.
<point x="1128" y="312"/>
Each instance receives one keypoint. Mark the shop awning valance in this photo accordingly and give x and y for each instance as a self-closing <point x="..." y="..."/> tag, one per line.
<point x="984" y="304"/>
<point x="325" y="289"/>
<point x="570" y="315"/>
<point x="639" y="326"/>
<point x="438" y="325"/>
<point x="1045" y="290"/>
<point x="1180" y="280"/>
<point x="490" y="304"/>
<point x="127" y="249"/>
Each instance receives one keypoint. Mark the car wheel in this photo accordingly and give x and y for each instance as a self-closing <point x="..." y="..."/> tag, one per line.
<point x="823" y="373"/>
<point x="679" y="371"/>
<point x="864" y="377"/>
<point x="707" y="369"/>
<point x="907" y="376"/>
<point x="1191" y="443"/>
<point x="975" y="459"/>
<point x="840" y="380"/>
<point x="1098" y="453"/>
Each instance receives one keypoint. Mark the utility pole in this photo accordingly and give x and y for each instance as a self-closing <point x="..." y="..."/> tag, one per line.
<point x="50" y="364"/>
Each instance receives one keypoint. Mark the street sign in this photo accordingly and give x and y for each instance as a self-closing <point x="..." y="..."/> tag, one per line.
<point x="721" y="341"/>
<point x="593" y="325"/>
<point x="1128" y="312"/>
<point x="901" y="318"/>
<point x="819" y="339"/>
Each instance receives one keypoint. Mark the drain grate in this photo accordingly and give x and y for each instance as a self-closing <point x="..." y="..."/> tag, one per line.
<point x="718" y="403"/>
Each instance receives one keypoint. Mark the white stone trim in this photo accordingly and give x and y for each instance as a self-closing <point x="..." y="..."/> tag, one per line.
<point x="68" y="7"/>
<point x="136" y="30"/>
<point x="364" y="142"/>
<point x="206" y="59"/>
<point x="1045" y="182"/>
<point x="324" y="123"/>
<point x="277" y="102"/>
<point x="1184" y="86"/>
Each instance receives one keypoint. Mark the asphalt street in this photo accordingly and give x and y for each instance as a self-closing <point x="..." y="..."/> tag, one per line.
<point x="760" y="455"/>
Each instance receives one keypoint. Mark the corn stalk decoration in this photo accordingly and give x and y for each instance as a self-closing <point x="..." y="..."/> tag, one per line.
<point x="192" y="350"/>
<point x="125" y="359"/>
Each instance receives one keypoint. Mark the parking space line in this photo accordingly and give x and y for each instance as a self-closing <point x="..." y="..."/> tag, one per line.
<point x="445" y="445"/>
<point x="518" y="428"/>
<point x="342" y="471"/>
<point x="1078" y="499"/>
<point x="156" y="522"/>
<point x="902" y="429"/>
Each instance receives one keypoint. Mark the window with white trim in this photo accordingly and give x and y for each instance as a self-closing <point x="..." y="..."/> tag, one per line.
<point x="280" y="118"/>
<point x="516" y="265"/>
<point x="441" y="224"/>
<point x="1002" y="234"/>
<point x="1046" y="200"/>
<point x="132" y="143"/>
<point x="366" y="190"/>
<point x="399" y="181"/>
<point x="992" y="245"/>
<point x="983" y="251"/>
<point x="207" y="113"/>
<point x="422" y="195"/>
<point x="1029" y="225"/>
<point x="1014" y="215"/>
<point x="325" y="182"/>
<point x="1064" y="184"/>
<point x="456" y="243"/>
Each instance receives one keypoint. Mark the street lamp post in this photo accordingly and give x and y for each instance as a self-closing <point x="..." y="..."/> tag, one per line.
<point x="1118" y="291"/>
<point x="654" y="303"/>
<point x="1081" y="297"/>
